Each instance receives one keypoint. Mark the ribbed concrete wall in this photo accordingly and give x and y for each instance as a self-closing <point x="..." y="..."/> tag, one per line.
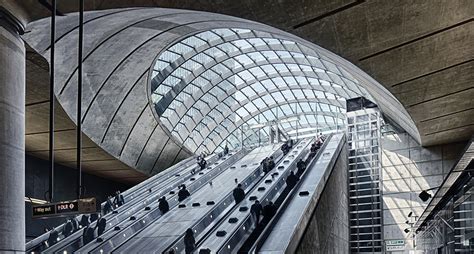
<point x="407" y="169"/>
<point x="328" y="230"/>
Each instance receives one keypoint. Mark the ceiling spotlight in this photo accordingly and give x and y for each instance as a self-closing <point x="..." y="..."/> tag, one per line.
<point x="424" y="196"/>
<point x="407" y="230"/>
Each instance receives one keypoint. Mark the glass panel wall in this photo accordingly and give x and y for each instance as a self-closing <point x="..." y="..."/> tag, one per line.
<point x="365" y="206"/>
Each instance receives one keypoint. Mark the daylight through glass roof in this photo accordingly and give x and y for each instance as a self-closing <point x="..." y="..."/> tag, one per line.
<point x="235" y="86"/>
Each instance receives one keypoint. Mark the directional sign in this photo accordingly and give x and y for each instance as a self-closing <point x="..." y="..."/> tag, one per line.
<point x="67" y="207"/>
<point x="43" y="210"/>
<point x="394" y="242"/>
<point x="394" y="247"/>
<point x="85" y="205"/>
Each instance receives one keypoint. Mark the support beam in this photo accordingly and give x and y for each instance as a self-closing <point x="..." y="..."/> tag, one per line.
<point x="12" y="135"/>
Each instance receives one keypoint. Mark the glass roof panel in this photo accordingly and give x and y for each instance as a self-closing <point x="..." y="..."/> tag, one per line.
<point x="212" y="83"/>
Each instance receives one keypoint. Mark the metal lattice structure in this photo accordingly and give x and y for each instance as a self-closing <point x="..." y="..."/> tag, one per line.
<point x="207" y="86"/>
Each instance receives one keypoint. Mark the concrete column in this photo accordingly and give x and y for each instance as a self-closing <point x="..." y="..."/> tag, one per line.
<point x="12" y="136"/>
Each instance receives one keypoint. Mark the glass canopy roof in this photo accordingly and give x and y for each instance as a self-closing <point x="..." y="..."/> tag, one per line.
<point x="234" y="86"/>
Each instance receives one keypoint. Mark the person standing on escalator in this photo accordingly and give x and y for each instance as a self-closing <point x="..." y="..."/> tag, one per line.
<point x="163" y="205"/>
<point x="183" y="193"/>
<point x="238" y="193"/>
<point x="118" y="200"/>
<point x="271" y="163"/>
<point x="101" y="224"/>
<point x="301" y="165"/>
<point x="269" y="211"/>
<point x="291" y="180"/>
<point x="256" y="211"/>
<point x="189" y="241"/>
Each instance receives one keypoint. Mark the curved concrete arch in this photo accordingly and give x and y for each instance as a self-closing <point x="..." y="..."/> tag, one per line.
<point x="117" y="115"/>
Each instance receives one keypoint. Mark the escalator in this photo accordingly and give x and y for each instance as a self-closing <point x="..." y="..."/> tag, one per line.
<point x="285" y="230"/>
<point x="136" y="197"/>
<point x="232" y="230"/>
<point x="133" y="223"/>
<point x="201" y="208"/>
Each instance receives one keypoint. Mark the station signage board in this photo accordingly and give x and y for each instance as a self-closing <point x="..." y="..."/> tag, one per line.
<point x="394" y="245"/>
<point x="395" y="242"/>
<point x="63" y="208"/>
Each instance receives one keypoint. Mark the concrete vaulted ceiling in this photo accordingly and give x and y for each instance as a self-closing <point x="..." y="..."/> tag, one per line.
<point x="421" y="52"/>
<point x="121" y="45"/>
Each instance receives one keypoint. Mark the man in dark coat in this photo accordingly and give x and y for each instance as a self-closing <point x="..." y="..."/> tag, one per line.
<point x="301" y="165"/>
<point x="68" y="228"/>
<point x="256" y="211"/>
<point x="163" y="205"/>
<point x="238" y="193"/>
<point x="53" y="237"/>
<point x="189" y="241"/>
<point x="101" y="224"/>
<point x="269" y="211"/>
<point x="291" y="180"/>
<point x="119" y="200"/>
<point x="271" y="163"/>
<point x="183" y="193"/>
